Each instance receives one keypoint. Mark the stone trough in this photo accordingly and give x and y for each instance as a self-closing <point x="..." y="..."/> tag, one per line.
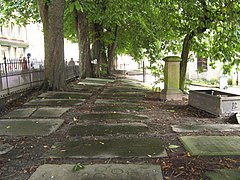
<point x="218" y="103"/>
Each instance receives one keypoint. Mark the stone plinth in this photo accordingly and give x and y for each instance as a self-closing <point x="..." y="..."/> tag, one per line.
<point x="171" y="89"/>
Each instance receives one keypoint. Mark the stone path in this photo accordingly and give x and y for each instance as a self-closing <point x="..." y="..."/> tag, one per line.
<point x="112" y="128"/>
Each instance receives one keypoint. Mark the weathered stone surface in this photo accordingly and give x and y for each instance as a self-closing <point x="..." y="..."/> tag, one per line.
<point x="55" y="102"/>
<point x="64" y="95"/>
<point x="112" y="117"/>
<point x="119" y="101"/>
<point x="49" y="112"/>
<point x="99" y="172"/>
<point x="223" y="174"/>
<point x="212" y="145"/>
<point x="5" y="148"/>
<point x="110" y="148"/>
<point x="205" y="127"/>
<point x="121" y="96"/>
<point x="20" y="113"/>
<point x="117" y="108"/>
<point x="107" y="129"/>
<point x="29" y="127"/>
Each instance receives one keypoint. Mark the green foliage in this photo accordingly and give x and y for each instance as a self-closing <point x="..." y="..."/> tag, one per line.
<point x="77" y="167"/>
<point x="230" y="81"/>
<point x="103" y="69"/>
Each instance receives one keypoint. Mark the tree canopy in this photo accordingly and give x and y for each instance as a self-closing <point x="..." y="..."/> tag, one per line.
<point x="152" y="29"/>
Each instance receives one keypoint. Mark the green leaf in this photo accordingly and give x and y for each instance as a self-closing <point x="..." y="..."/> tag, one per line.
<point x="77" y="167"/>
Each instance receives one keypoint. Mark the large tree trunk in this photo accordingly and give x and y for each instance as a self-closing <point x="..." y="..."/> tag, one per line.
<point x="97" y="46"/>
<point x="111" y="51"/>
<point x="184" y="57"/>
<point x="52" y="13"/>
<point x="84" y="45"/>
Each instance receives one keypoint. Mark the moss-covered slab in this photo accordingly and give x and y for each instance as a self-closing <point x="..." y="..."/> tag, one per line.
<point x="49" y="112"/>
<point x="124" y="89"/>
<point x="5" y="148"/>
<point x="205" y="127"/>
<point x="117" y="108"/>
<point x="111" y="148"/>
<point x="64" y="95"/>
<point x="20" y="113"/>
<point x="102" y="80"/>
<point x="55" y="102"/>
<point x="107" y="129"/>
<point x="29" y="127"/>
<point x="99" y="172"/>
<point x="212" y="145"/>
<point x="223" y="174"/>
<point x="84" y="89"/>
<point x="122" y="96"/>
<point x="111" y="117"/>
<point x="119" y="101"/>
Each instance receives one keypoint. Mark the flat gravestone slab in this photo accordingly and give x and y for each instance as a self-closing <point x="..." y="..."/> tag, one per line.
<point x="54" y="102"/>
<point x="205" y="127"/>
<point x="107" y="129"/>
<point x="49" y="112"/>
<point x="123" y="89"/>
<point x="118" y="101"/>
<point x="64" y="95"/>
<point x="111" y="148"/>
<point x="29" y="127"/>
<point x="99" y="172"/>
<point x="211" y="145"/>
<point x="121" y="96"/>
<point x="117" y="108"/>
<point x="20" y="113"/>
<point x="102" y="117"/>
<point x="83" y="89"/>
<point x="223" y="174"/>
<point x="5" y="148"/>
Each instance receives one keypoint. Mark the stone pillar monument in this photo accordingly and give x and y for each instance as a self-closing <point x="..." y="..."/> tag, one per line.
<point x="171" y="89"/>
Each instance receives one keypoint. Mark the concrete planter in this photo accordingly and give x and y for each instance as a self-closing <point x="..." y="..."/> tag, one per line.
<point x="215" y="102"/>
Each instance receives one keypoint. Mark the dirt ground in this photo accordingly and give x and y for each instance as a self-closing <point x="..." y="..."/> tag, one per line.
<point x="27" y="153"/>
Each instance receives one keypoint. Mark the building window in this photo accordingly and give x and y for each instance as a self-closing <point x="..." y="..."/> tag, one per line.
<point x="202" y="64"/>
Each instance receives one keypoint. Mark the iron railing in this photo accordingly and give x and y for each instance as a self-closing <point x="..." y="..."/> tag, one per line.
<point x="17" y="75"/>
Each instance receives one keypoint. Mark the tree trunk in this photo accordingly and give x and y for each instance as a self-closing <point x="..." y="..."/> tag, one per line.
<point x="97" y="46"/>
<point x="111" y="51"/>
<point x="184" y="57"/>
<point x="83" y="45"/>
<point x="52" y="13"/>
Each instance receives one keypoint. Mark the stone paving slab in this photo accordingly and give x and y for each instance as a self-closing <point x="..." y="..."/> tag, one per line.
<point x="64" y="95"/>
<point x="20" y="113"/>
<point x="223" y="174"/>
<point x="84" y="89"/>
<point x="111" y="148"/>
<point x="5" y="148"/>
<point x="99" y="172"/>
<point x="212" y="145"/>
<point x="107" y="129"/>
<point x="118" y="101"/>
<point x="124" y="89"/>
<point x="49" y="112"/>
<point x="117" y="108"/>
<point x="101" y="80"/>
<point x="29" y="127"/>
<point x="121" y="96"/>
<point x="55" y="102"/>
<point x="112" y="117"/>
<point x="205" y="127"/>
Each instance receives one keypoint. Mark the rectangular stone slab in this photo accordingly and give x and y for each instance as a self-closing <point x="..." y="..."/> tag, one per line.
<point x="223" y="174"/>
<point x="29" y="127"/>
<point x="49" y="112"/>
<point x="117" y="108"/>
<point x="54" y="102"/>
<point x="102" y="80"/>
<point x="121" y="96"/>
<point x="20" y="113"/>
<point x="205" y="127"/>
<point x="119" y="101"/>
<point x="99" y="172"/>
<point x="99" y="117"/>
<point x="111" y="148"/>
<point x="107" y="129"/>
<point x="64" y="95"/>
<point x="211" y="145"/>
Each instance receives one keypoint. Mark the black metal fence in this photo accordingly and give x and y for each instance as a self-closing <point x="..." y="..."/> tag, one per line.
<point x="20" y="75"/>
